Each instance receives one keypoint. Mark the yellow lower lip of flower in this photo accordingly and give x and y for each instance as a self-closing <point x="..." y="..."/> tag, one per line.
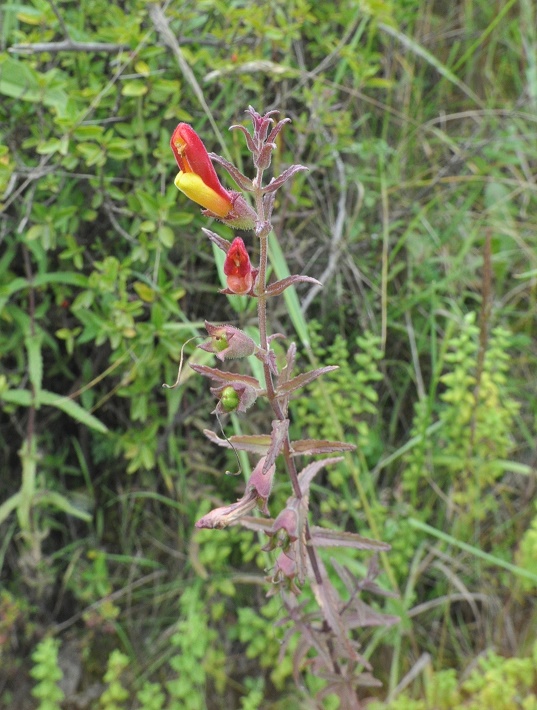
<point x="196" y="190"/>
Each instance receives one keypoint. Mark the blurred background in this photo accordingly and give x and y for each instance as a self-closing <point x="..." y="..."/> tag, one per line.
<point x="417" y="120"/>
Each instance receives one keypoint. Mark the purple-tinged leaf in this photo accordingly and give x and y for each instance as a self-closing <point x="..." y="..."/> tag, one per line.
<point x="268" y="203"/>
<point x="324" y="537"/>
<point x="355" y="586"/>
<point x="319" y="446"/>
<point x="225" y="377"/>
<point x="306" y="476"/>
<point x="253" y="443"/>
<point x="263" y="525"/>
<point x="278" y="287"/>
<point x="277" y="128"/>
<point x="277" y="438"/>
<point x="287" y="174"/>
<point x="242" y="181"/>
<point x="249" y="140"/>
<point x="302" y="380"/>
<point x="358" y="614"/>
<point x="328" y="600"/>
<point x="287" y="369"/>
<point x="273" y="336"/>
<point x="221" y="243"/>
<point x="268" y="358"/>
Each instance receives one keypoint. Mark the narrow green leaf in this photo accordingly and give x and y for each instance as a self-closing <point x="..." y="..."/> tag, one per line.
<point x="23" y="398"/>
<point x="476" y="552"/>
<point x="420" y="51"/>
<point x="279" y="263"/>
<point x="63" y="504"/>
<point x="73" y="409"/>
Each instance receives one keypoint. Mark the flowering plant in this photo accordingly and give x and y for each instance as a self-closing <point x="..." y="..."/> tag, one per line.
<point x="326" y="636"/>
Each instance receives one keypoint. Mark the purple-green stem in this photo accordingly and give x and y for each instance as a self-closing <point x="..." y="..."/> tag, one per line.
<point x="263" y="338"/>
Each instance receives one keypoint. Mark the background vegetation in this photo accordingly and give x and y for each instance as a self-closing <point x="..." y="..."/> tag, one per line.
<point x="418" y="121"/>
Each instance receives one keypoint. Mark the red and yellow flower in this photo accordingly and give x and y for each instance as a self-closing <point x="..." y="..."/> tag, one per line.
<point x="198" y="180"/>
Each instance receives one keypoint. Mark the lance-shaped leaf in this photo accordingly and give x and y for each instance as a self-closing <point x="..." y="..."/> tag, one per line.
<point x="268" y="202"/>
<point x="366" y="583"/>
<point x="323" y="537"/>
<point x="263" y="525"/>
<point x="268" y="358"/>
<point x="277" y="182"/>
<point x="318" y="446"/>
<point x="302" y="380"/>
<point x="329" y="602"/>
<point x="287" y="369"/>
<point x="225" y="377"/>
<point x="278" y="287"/>
<point x="259" y="444"/>
<point x="254" y="444"/>
<point x="344" y="687"/>
<point x="277" y="128"/>
<point x="249" y="140"/>
<point x="358" y="614"/>
<point x="242" y="181"/>
<point x="306" y="476"/>
<point x="277" y="438"/>
<point x="220" y="242"/>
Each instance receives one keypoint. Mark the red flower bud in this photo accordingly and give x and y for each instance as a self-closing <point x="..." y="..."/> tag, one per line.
<point x="238" y="269"/>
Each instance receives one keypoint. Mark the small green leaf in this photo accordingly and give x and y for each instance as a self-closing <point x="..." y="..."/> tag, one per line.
<point x="166" y="236"/>
<point x="35" y="231"/>
<point x="48" y="147"/>
<point x="19" y="81"/>
<point x="148" y="226"/>
<point x="145" y="292"/>
<point x="134" y="88"/>
<point x="142" y="67"/>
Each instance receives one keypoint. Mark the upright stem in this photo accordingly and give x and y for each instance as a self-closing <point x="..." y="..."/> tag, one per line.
<point x="263" y="229"/>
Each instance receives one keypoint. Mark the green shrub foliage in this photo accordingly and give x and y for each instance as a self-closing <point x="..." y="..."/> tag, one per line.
<point x="418" y="123"/>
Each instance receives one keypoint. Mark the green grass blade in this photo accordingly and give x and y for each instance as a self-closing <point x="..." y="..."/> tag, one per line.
<point x="420" y="51"/>
<point x="279" y="263"/>
<point x="475" y="551"/>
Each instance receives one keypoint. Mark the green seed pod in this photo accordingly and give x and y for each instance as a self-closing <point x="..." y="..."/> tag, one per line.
<point x="229" y="399"/>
